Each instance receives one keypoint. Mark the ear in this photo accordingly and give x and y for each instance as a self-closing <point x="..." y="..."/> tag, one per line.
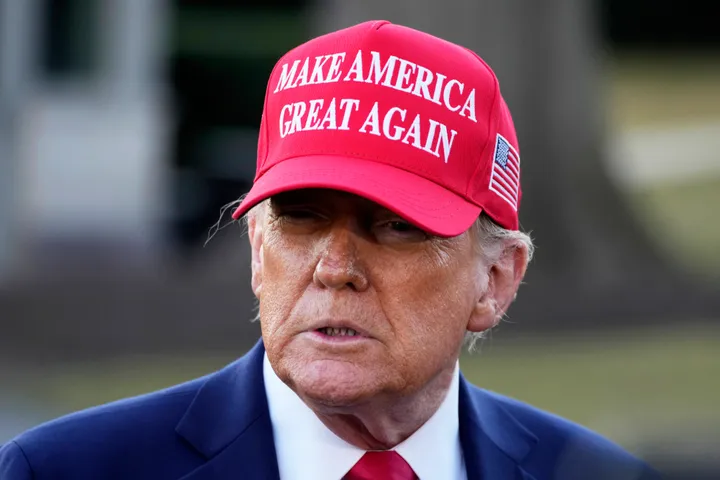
<point x="255" y="235"/>
<point x="503" y="280"/>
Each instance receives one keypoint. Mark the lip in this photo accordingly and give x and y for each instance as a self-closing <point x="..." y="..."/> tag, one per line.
<point x="334" y="323"/>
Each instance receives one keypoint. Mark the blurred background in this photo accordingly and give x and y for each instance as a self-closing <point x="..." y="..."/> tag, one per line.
<point x="125" y="126"/>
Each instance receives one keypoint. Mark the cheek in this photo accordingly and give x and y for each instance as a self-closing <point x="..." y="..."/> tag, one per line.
<point x="430" y="303"/>
<point x="287" y="272"/>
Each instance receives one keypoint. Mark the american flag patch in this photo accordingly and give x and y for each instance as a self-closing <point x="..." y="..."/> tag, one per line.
<point x="505" y="176"/>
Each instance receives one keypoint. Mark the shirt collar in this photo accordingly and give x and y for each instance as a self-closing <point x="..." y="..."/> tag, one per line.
<point x="307" y="450"/>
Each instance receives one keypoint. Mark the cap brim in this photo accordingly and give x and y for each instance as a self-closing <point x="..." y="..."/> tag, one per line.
<point x="426" y="204"/>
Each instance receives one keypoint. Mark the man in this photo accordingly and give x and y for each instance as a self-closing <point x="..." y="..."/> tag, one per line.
<point x="384" y="232"/>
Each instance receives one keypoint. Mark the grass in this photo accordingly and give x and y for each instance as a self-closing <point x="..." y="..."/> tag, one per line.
<point x="619" y="386"/>
<point x="684" y="222"/>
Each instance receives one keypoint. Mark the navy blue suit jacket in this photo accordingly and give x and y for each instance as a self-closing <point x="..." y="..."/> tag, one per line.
<point x="218" y="427"/>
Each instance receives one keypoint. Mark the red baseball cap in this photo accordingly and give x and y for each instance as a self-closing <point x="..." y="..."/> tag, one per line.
<point x="400" y="117"/>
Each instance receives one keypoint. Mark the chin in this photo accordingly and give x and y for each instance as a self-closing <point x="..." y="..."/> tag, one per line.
<point x="332" y="383"/>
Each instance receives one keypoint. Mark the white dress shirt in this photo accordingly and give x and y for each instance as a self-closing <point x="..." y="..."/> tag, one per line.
<point x="307" y="450"/>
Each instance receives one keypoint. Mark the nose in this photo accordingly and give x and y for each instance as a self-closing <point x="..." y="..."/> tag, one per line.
<point x="339" y="266"/>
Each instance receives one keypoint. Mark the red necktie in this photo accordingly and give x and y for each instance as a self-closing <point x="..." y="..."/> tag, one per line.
<point x="385" y="465"/>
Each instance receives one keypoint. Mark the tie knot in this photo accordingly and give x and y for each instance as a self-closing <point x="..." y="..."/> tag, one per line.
<point x="385" y="465"/>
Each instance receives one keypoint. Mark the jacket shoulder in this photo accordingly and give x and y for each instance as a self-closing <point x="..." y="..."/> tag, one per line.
<point x="127" y="431"/>
<point x="13" y="463"/>
<point x="567" y="450"/>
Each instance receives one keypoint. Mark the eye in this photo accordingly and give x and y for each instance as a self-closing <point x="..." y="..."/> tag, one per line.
<point x="400" y="226"/>
<point x="396" y="229"/>
<point x="298" y="215"/>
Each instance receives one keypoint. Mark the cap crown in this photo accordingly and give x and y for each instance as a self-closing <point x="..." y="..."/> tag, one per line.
<point x="391" y="94"/>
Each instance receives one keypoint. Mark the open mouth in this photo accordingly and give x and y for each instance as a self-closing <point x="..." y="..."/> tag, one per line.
<point x="338" y="332"/>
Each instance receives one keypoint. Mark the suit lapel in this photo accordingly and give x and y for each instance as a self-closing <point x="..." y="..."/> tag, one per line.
<point x="494" y="443"/>
<point x="229" y="423"/>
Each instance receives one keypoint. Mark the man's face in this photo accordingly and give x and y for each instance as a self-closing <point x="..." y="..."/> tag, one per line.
<point x="327" y="261"/>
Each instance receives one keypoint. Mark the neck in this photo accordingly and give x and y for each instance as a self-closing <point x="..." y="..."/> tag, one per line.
<point x="383" y="423"/>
